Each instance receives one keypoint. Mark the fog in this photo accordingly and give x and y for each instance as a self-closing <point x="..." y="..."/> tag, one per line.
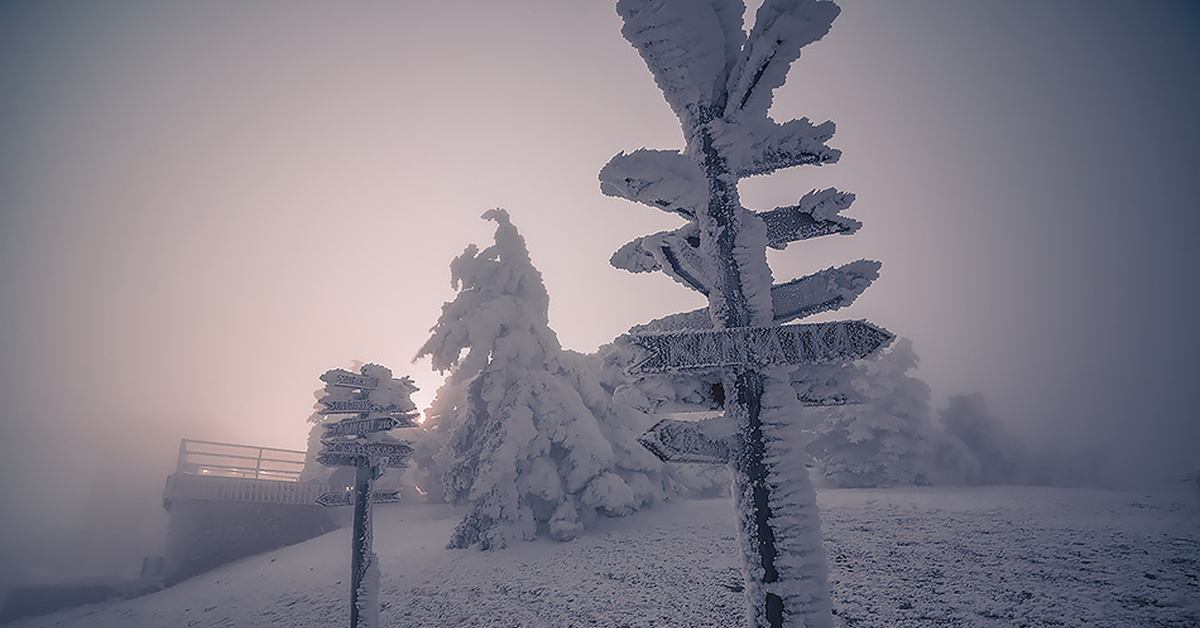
<point x="204" y="206"/>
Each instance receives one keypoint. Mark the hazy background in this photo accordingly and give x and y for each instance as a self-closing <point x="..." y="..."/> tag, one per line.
<point x="204" y="206"/>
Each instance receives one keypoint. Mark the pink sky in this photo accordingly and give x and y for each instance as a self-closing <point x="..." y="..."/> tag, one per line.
<point x="203" y="206"/>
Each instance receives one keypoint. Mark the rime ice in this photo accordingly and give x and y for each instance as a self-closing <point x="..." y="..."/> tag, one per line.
<point x="719" y="82"/>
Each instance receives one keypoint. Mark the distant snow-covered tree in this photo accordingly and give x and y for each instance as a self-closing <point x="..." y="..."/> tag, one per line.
<point x="977" y="449"/>
<point x="884" y="441"/>
<point x="515" y="425"/>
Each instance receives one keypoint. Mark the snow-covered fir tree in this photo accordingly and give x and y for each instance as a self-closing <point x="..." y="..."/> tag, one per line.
<point x="639" y="402"/>
<point x="884" y="441"/>
<point x="976" y="448"/>
<point x="515" y="425"/>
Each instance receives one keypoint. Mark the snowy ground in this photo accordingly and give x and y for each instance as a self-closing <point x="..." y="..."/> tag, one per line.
<point x="1002" y="556"/>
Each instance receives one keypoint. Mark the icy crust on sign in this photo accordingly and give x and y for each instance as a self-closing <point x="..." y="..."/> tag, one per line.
<point x="827" y="290"/>
<point x="663" y="179"/>
<point x="676" y="253"/>
<point x="830" y="289"/>
<point x="760" y="146"/>
<point x="522" y="431"/>
<point x="817" y="214"/>
<point x="684" y="48"/>
<point x="781" y="29"/>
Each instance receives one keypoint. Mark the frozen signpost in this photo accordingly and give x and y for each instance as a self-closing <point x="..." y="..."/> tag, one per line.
<point x="378" y="403"/>
<point x="719" y="81"/>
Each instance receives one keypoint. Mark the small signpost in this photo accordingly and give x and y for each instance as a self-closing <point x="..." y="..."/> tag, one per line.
<point x="346" y="498"/>
<point x="362" y="427"/>
<point x="673" y="440"/>
<point x="378" y="403"/>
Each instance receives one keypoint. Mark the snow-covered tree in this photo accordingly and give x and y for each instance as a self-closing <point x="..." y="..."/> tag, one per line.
<point x="976" y="448"/>
<point x="885" y="440"/>
<point x="637" y="403"/>
<point x="516" y="428"/>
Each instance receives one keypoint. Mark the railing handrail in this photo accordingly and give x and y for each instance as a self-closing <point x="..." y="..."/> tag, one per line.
<point x="229" y="462"/>
<point x="213" y="442"/>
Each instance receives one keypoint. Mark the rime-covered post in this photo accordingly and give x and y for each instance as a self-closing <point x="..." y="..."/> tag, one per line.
<point x="376" y="403"/>
<point x="719" y="81"/>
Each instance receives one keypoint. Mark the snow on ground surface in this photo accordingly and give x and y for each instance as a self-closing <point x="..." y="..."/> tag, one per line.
<point x="998" y="556"/>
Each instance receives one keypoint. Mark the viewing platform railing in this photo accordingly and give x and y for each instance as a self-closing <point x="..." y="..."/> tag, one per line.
<point x="208" y="470"/>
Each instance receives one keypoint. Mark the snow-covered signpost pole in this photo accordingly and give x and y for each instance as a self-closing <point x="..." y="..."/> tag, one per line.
<point x="378" y="403"/>
<point x="719" y="81"/>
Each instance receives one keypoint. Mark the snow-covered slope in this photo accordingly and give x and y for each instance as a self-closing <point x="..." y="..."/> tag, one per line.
<point x="1002" y="556"/>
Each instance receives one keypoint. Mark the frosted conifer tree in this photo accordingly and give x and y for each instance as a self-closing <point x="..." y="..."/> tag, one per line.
<point x="977" y="449"/>
<point x="884" y="441"/>
<point x="518" y="442"/>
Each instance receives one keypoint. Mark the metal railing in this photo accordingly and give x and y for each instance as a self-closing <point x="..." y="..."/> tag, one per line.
<point x="182" y="487"/>
<point x="208" y="470"/>
<point x="202" y="457"/>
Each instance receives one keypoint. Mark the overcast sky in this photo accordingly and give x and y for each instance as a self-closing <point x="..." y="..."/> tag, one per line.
<point x="204" y="206"/>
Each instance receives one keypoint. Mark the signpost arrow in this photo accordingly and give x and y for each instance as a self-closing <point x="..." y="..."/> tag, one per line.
<point x="813" y="343"/>
<point x="346" y="498"/>
<point x="353" y="460"/>
<point x="382" y="449"/>
<point x="353" y="453"/>
<point x="346" y="445"/>
<point x="676" y="253"/>
<point x="346" y="379"/>
<point x="348" y="406"/>
<point x="815" y="215"/>
<point x="827" y="290"/>
<point x="362" y="427"/>
<point x="709" y="441"/>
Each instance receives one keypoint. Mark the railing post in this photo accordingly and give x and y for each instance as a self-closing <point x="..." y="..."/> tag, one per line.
<point x="179" y="463"/>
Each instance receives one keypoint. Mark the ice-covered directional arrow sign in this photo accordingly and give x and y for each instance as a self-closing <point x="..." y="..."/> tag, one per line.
<point x="816" y="214"/>
<point x="812" y="343"/>
<point x="824" y="291"/>
<point x="351" y="453"/>
<point x="346" y="379"/>
<point x="348" y="406"/>
<point x="352" y="460"/>
<point x="346" y="498"/>
<point x="709" y="441"/>
<point x="362" y="427"/>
